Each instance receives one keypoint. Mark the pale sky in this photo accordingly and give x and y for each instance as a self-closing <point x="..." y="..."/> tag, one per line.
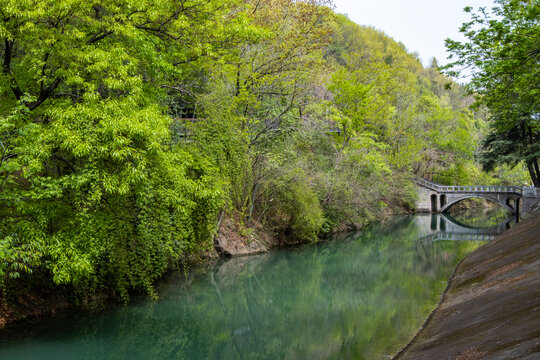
<point x="422" y="25"/>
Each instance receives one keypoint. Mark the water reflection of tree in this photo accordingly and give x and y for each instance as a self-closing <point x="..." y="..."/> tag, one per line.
<point x="480" y="217"/>
<point x="341" y="299"/>
<point x="351" y="298"/>
<point x="429" y="254"/>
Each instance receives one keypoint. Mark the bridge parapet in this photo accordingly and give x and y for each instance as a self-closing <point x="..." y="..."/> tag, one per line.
<point x="530" y="191"/>
<point x="473" y="189"/>
<point x="482" y="189"/>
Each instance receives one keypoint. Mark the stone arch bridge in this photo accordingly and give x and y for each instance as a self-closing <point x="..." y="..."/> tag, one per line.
<point x="433" y="197"/>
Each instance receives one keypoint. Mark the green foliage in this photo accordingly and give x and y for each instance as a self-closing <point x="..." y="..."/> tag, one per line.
<point x="503" y="49"/>
<point x="348" y="124"/>
<point x="299" y="207"/>
<point x="92" y="191"/>
<point x="420" y="122"/>
<point x="127" y="126"/>
<point x="220" y="140"/>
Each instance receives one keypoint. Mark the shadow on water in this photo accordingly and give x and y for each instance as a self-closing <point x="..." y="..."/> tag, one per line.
<point x="359" y="296"/>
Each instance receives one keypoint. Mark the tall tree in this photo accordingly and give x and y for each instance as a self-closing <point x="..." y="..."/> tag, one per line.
<point x="503" y="53"/>
<point x="92" y="192"/>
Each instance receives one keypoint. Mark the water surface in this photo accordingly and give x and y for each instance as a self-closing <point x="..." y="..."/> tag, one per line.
<point x="358" y="296"/>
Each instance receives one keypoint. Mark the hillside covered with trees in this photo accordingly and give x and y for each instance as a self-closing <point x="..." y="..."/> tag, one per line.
<point x="128" y="129"/>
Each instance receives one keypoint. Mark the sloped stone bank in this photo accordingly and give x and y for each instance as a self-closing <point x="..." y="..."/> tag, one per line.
<point x="491" y="309"/>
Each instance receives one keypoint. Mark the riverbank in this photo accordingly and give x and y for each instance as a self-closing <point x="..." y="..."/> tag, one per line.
<point x="491" y="309"/>
<point x="233" y="238"/>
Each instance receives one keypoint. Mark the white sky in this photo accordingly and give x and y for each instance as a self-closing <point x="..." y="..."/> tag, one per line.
<point x="422" y="25"/>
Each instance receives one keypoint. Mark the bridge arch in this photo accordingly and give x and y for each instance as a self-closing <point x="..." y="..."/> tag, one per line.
<point x="504" y="203"/>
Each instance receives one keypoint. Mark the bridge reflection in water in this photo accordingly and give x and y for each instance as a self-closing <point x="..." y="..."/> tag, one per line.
<point x="443" y="226"/>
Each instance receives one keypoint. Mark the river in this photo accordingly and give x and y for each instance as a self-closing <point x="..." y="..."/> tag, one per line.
<point x="357" y="296"/>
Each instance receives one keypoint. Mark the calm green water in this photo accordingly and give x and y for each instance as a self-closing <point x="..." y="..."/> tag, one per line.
<point x="362" y="296"/>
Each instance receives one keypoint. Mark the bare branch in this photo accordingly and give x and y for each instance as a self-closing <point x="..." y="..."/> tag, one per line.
<point x="99" y="36"/>
<point x="44" y="94"/>
<point x="6" y="68"/>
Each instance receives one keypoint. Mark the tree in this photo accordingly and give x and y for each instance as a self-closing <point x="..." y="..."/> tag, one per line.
<point x="93" y="192"/>
<point x="503" y="53"/>
<point x="258" y="95"/>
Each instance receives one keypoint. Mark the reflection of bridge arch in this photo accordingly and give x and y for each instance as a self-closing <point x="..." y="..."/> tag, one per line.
<point x="446" y="227"/>
<point x="465" y="228"/>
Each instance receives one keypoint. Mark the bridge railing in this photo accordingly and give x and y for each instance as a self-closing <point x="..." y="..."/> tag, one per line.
<point x="531" y="191"/>
<point x="487" y="189"/>
<point x="428" y="184"/>
<point x="474" y="188"/>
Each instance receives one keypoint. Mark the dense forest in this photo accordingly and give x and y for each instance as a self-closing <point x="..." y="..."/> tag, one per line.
<point x="129" y="128"/>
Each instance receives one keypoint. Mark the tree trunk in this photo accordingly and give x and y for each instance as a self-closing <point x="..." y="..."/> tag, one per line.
<point x="537" y="173"/>
<point x="534" y="174"/>
<point x="254" y="191"/>
<point x="237" y="80"/>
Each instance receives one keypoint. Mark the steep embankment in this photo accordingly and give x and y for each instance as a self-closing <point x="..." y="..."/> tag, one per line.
<point x="491" y="309"/>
